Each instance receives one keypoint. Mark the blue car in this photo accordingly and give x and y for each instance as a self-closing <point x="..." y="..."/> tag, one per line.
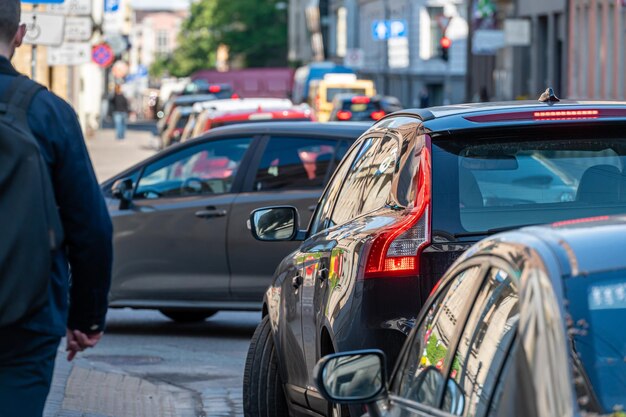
<point x="526" y="323"/>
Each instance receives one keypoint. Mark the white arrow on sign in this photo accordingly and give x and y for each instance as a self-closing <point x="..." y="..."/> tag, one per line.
<point x="70" y="54"/>
<point x="381" y="30"/>
<point x="43" y="29"/>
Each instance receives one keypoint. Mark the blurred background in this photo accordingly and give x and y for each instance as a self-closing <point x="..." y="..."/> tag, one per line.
<point x="418" y="52"/>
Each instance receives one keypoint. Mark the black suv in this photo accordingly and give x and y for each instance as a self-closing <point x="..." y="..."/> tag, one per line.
<point x="411" y="195"/>
<point x="353" y="108"/>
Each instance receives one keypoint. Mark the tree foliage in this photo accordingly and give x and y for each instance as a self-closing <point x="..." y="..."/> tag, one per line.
<point x="255" y="31"/>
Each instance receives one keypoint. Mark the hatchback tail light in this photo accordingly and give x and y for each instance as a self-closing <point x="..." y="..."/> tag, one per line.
<point x="395" y="250"/>
<point x="215" y="89"/>
<point x="377" y="115"/>
<point x="344" y="115"/>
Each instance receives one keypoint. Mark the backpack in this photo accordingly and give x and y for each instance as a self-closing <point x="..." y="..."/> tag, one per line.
<point x="30" y="226"/>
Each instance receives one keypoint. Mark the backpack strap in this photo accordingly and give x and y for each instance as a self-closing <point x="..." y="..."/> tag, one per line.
<point x="17" y="98"/>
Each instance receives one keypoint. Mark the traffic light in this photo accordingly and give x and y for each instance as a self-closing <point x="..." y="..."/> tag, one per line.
<point x="444" y="44"/>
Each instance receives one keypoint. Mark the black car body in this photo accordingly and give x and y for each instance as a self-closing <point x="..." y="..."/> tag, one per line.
<point x="526" y="323"/>
<point x="412" y="194"/>
<point x="180" y="237"/>
<point x="357" y="108"/>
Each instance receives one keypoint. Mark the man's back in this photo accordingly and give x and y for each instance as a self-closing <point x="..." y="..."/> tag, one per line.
<point x="85" y="219"/>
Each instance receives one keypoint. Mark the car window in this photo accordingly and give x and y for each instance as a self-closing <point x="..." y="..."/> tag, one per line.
<point x="483" y="346"/>
<point x="422" y="373"/>
<point x="596" y="310"/>
<point x="208" y="168"/>
<point x="326" y="203"/>
<point x="294" y="163"/>
<point x="506" y="182"/>
<point x="349" y="203"/>
<point x="381" y="175"/>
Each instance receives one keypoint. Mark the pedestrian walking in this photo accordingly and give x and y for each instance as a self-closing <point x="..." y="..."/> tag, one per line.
<point x="55" y="230"/>
<point x="120" y="108"/>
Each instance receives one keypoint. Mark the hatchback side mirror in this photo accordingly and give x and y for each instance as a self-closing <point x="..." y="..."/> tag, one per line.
<point x="274" y="224"/>
<point x="357" y="377"/>
<point x="123" y="190"/>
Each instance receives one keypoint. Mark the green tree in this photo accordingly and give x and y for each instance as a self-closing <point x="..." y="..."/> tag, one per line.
<point x="256" y="30"/>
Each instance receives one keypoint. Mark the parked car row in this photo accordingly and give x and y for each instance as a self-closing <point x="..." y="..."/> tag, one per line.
<point x="520" y="322"/>
<point x="511" y="328"/>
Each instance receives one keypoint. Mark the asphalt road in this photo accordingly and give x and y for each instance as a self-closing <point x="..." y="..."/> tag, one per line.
<point x="206" y="358"/>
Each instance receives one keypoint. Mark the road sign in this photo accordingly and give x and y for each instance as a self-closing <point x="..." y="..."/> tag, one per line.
<point x="72" y="7"/>
<point x="517" y="32"/>
<point x="386" y="29"/>
<point x="487" y="41"/>
<point x="43" y="29"/>
<point x="355" y="58"/>
<point x="111" y="6"/>
<point x="118" y="43"/>
<point x="78" y="29"/>
<point x="103" y="55"/>
<point x="398" y="28"/>
<point x="398" y="52"/>
<point x="69" y="54"/>
<point x="379" y="30"/>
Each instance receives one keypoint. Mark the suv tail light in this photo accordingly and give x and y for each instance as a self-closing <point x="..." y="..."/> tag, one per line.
<point x="395" y="251"/>
<point x="377" y="115"/>
<point x="344" y="115"/>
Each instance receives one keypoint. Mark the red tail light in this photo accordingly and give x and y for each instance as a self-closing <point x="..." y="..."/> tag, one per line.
<point x="549" y="115"/>
<point x="235" y="95"/>
<point x="344" y="115"/>
<point x="360" y="100"/>
<point x="215" y="89"/>
<point x="395" y="251"/>
<point x="377" y="115"/>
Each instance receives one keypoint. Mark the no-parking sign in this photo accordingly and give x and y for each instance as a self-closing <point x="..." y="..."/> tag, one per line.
<point x="103" y="55"/>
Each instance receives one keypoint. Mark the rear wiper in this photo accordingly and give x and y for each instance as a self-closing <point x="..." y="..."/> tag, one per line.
<point x="493" y="231"/>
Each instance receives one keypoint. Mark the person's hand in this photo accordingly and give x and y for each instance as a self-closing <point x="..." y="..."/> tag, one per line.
<point x="78" y="341"/>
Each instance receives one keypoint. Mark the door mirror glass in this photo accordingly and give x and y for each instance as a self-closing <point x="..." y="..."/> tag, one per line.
<point x="355" y="377"/>
<point x="123" y="190"/>
<point x="274" y="223"/>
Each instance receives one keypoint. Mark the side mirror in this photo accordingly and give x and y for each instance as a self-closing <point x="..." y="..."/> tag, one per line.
<point x="357" y="377"/>
<point x="123" y="190"/>
<point x="274" y="224"/>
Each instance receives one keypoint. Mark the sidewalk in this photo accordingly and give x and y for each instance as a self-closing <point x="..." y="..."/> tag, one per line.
<point x="86" y="389"/>
<point x="110" y="156"/>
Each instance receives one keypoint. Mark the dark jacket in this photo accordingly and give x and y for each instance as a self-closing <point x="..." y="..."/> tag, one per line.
<point x="87" y="248"/>
<point x="119" y="104"/>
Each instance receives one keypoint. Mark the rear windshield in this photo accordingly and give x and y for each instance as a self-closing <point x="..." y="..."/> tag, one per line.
<point x="487" y="184"/>
<point x="332" y="92"/>
<point x="597" y="308"/>
<point x="361" y="111"/>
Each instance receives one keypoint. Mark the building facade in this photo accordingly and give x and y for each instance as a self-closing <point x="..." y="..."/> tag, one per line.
<point x="596" y="62"/>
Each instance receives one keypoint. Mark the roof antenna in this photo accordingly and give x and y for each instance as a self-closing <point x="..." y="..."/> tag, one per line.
<point x="549" y="97"/>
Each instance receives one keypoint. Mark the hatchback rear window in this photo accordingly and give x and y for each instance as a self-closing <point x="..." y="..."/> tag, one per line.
<point x="488" y="184"/>
<point x="332" y="92"/>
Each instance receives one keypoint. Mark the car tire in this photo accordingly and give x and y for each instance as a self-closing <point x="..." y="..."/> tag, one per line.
<point x="188" y="316"/>
<point x="263" y="394"/>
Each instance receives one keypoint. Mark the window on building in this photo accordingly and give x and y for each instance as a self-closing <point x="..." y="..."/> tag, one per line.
<point x="162" y="42"/>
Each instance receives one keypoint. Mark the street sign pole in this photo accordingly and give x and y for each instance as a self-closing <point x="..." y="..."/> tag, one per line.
<point x="33" y="69"/>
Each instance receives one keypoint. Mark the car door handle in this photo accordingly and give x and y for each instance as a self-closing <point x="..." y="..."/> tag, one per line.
<point x="210" y="212"/>
<point x="296" y="282"/>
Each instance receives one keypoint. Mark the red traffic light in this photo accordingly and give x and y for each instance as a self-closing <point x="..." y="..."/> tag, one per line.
<point x="445" y="42"/>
